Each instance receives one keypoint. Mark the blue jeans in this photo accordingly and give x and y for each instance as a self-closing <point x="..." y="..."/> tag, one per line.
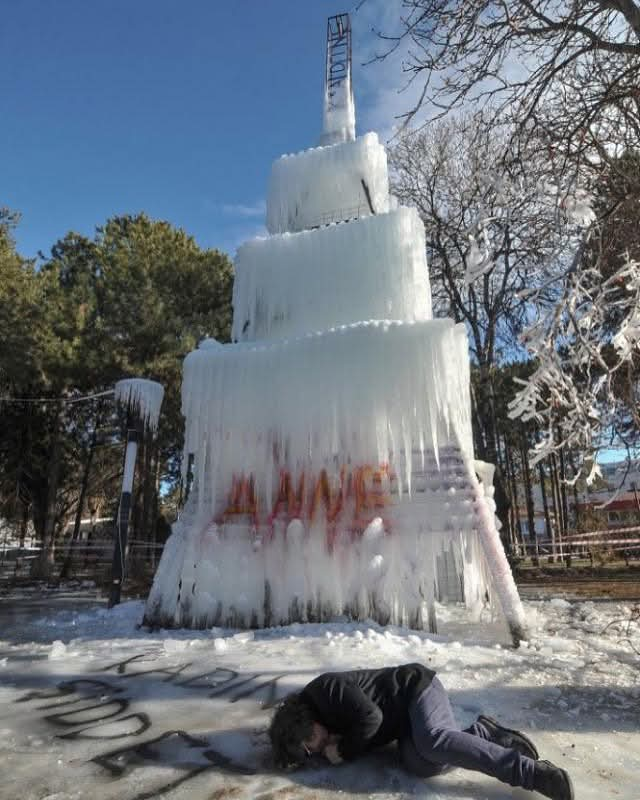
<point x="437" y="743"/>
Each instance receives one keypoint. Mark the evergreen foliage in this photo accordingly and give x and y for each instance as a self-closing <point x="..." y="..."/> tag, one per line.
<point x="131" y="302"/>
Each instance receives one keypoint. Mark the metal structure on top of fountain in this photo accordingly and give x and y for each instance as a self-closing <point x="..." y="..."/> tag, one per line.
<point x="339" y="114"/>
<point x="339" y="119"/>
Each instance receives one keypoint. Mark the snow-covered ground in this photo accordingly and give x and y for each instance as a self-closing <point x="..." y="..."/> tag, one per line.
<point x="91" y="706"/>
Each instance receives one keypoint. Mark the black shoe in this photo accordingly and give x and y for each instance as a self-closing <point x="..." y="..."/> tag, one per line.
<point x="505" y="737"/>
<point x="551" y="781"/>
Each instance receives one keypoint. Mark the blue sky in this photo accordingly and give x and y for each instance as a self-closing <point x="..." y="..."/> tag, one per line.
<point x="177" y="109"/>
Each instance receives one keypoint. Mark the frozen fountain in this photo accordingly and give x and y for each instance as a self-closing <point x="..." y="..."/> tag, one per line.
<point x="331" y="443"/>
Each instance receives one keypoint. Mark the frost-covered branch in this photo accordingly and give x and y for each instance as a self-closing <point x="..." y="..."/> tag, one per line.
<point x="582" y="394"/>
<point x="516" y="251"/>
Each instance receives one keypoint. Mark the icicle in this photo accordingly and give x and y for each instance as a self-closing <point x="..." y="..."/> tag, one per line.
<point x="372" y="268"/>
<point x="141" y="397"/>
<point x="325" y="184"/>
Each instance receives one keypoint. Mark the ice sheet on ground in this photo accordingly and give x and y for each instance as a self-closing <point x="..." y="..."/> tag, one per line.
<point x="126" y="713"/>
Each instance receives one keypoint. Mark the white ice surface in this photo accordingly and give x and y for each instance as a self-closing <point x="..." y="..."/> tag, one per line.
<point x="339" y="111"/>
<point x="372" y="268"/>
<point x="339" y="115"/>
<point x="573" y="689"/>
<point x="325" y="184"/>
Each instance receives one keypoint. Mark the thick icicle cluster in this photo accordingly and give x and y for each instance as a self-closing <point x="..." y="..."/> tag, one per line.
<point x="367" y="393"/>
<point x="142" y="397"/>
<point x="289" y="284"/>
<point x="328" y="184"/>
<point x="216" y="574"/>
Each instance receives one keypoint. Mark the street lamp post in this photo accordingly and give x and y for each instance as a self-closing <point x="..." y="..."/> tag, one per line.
<point x="142" y="400"/>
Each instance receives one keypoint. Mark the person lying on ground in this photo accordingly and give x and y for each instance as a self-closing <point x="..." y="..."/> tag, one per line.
<point x="343" y="715"/>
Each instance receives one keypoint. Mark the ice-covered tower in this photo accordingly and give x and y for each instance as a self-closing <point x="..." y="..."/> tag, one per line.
<point x="331" y="442"/>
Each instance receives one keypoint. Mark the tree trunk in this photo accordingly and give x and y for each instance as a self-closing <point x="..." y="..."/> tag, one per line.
<point x="83" y="491"/>
<point x="24" y="522"/>
<point x="576" y="498"/>
<point x="562" y="523"/>
<point x="511" y="476"/>
<point x="557" y="508"/>
<point x="479" y="447"/>
<point x="485" y="408"/>
<point x="545" y="504"/>
<point x="487" y="416"/>
<point x="155" y="505"/>
<point x="528" y="491"/>
<point x="43" y="565"/>
<point x="148" y="482"/>
<point x="503" y="504"/>
<point x="563" y="493"/>
<point x="562" y="485"/>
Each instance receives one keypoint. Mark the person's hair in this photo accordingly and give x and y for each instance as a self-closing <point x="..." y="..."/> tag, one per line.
<point x="292" y="723"/>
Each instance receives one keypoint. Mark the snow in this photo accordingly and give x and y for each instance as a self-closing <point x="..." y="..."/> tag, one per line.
<point x="372" y="268"/>
<point x="125" y="713"/>
<point x="479" y="260"/>
<point x="141" y="397"/>
<point x="58" y="650"/>
<point x="578" y="208"/>
<point x="325" y="184"/>
<point x="627" y="339"/>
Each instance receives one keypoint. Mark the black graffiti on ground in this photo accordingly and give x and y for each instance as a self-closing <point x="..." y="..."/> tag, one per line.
<point x="220" y="680"/>
<point x="91" y="720"/>
<point x="94" y="709"/>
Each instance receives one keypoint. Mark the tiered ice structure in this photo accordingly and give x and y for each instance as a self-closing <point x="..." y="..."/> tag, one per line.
<point x="331" y="442"/>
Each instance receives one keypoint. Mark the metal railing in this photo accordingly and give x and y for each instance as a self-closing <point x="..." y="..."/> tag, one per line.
<point x="90" y="559"/>
<point x="331" y="217"/>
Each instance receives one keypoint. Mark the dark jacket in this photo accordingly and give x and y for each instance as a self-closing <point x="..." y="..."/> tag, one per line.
<point x="366" y="707"/>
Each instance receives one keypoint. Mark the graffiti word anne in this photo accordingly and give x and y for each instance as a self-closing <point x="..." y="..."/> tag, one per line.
<point x="354" y="495"/>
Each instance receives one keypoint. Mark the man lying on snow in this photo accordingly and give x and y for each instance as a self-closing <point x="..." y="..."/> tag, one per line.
<point x="345" y="714"/>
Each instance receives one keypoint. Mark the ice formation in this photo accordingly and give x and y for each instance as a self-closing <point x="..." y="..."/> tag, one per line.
<point x="330" y="444"/>
<point x="367" y="393"/>
<point x="328" y="184"/>
<point x="142" y="397"/>
<point x="350" y="279"/>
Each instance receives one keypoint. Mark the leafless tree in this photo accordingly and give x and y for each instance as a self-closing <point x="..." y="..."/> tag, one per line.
<point x="566" y="76"/>
<point x="490" y="226"/>
<point x="567" y="70"/>
<point x="489" y="230"/>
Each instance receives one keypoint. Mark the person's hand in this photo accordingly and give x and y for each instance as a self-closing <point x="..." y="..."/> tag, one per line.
<point x="331" y="753"/>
